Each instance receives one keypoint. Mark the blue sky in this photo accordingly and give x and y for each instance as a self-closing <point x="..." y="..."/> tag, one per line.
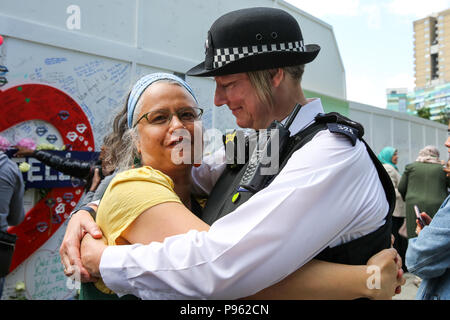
<point x="375" y="40"/>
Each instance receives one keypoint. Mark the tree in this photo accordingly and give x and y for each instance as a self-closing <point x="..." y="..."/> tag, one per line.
<point x="443" y="117"/>
<point x="424" y="113"/>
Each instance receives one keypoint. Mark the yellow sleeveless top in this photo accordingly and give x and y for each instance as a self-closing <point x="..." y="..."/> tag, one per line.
<point x="128" y="195"/>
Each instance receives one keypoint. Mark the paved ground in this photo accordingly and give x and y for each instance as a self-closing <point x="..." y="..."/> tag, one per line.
<point x="409" y="290"/>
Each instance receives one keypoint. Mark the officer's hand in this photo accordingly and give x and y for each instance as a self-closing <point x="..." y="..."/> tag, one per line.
<point x="91" y="254"/>
<point x="387" y="275"/>
<point x="80" y="224"/>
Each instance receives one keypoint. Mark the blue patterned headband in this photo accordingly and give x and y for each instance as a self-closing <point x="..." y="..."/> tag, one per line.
<point x="144" y="83"/>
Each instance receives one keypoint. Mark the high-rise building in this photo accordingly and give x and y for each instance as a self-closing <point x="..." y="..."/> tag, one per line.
<point x="431" y="70"/>
<point x="432" y="50"/>
<point x="397" y="99"/>
<point x="435" y="98"/>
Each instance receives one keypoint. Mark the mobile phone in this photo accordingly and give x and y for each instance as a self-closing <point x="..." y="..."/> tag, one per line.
<point x="421" y="222"/>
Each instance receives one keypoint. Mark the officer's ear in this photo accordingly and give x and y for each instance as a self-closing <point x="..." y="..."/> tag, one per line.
<point x="277" y="77"/>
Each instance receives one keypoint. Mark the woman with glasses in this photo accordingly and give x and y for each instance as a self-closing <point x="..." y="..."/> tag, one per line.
<point x="138" y="200"/>
<point x="153" y="201"/>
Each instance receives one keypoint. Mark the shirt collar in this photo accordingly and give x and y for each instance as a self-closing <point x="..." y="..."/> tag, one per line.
<point x="305" y="116"/>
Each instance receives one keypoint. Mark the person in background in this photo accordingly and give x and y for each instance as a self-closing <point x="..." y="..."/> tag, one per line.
<point x="93" y="181"/>
<point x="101" y="170"/>
<point x="428" y="255"/>
<point x="424" y="183"/>
<point x="92" y="173"/>
<point x="142" y="195"/>
<point x="12" y="211"/>
<point x="72" y="167"/>
<point x="389" y="158"/>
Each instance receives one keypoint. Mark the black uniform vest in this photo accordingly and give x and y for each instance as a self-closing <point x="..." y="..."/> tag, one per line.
<point x="224" y="198"/>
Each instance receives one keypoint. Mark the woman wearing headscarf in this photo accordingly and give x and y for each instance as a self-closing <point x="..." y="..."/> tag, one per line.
<point x="424" y="183"/>
<point x="389" y="158"/>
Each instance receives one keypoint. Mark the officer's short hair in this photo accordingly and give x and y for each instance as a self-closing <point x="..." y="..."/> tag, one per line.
<point x="260" y="80"/>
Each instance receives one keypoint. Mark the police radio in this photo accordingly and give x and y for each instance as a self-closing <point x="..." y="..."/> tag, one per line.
<point x="255" y="176"/>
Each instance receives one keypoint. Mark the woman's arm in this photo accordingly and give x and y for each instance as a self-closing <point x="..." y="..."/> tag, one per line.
<point x="161" y="221"/>
<point x="315" y="280"/>
<point x="73" y="167"/>
<point x="325" y="280"/>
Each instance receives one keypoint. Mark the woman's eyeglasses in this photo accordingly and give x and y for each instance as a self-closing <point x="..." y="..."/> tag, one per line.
<point x="163" y="117"/>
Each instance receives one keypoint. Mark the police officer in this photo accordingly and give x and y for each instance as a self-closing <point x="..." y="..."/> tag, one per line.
<point x="327" y="199"/>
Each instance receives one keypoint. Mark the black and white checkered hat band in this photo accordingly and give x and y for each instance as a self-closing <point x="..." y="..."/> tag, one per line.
<point x="226" y="55"/>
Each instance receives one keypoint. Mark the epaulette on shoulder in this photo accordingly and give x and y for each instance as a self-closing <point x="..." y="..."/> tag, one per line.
<point x="340" y="124"/>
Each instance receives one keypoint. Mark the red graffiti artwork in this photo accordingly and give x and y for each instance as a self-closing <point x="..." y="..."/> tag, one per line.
<point x="42" y="102"/>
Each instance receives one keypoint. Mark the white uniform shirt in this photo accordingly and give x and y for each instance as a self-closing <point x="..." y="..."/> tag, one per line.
<point x="327" y="194"/>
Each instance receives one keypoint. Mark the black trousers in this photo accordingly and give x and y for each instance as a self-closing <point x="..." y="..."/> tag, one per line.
<point x="400" y="243"/>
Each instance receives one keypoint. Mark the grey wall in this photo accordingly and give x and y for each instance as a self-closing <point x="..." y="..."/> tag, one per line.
<point x="119" y="41"/>
<point x="406" y="133"/>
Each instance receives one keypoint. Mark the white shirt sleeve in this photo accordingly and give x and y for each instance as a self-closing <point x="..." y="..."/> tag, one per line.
<point x="328" y="193"/>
